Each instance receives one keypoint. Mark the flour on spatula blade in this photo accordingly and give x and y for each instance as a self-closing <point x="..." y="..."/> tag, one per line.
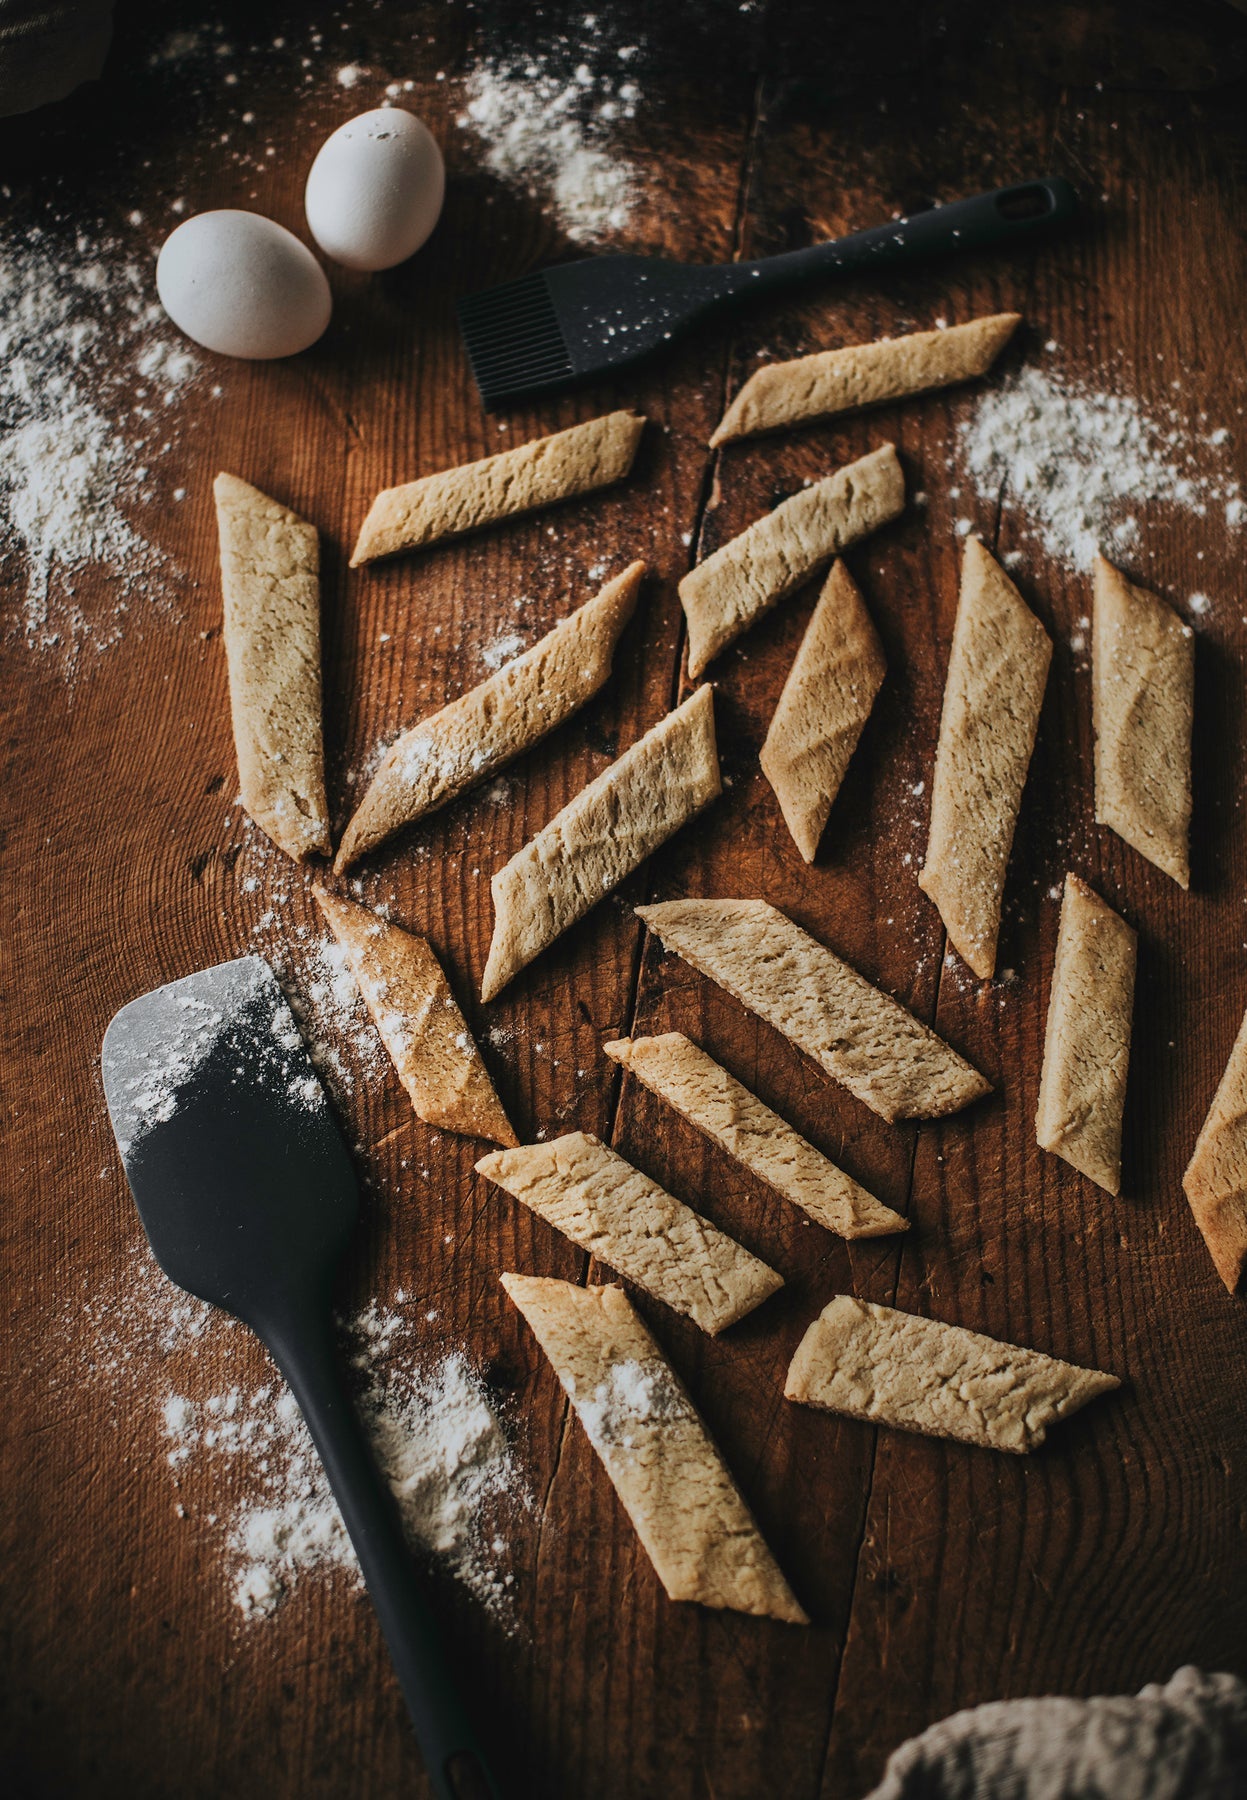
<point x="593" y="1196"/>
<point x="894" y="1368"/>
<point x="688" y="1512"/>
<point x="270" y="583"/>
<point x="479" y="733"/>
<point x="997" y="672"/>
<point x="420" y="1023"/>
<point x="702" y="1091"/>
<point x="862" y="1038"/>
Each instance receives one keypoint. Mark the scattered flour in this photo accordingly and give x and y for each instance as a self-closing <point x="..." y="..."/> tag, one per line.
<point x="324" y="997"/>
<point x="90" y="374"/>
<point x="240" y="1458"/>
<point x="137" y="1320"/>
<point x="1079" y="464"/>
<point x="502" y="649"/>
<point x="436" y="1438"/>
<point x="550" y="134"/>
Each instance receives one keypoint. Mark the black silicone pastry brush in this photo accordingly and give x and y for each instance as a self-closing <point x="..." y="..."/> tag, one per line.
<point x="580" y="319"/>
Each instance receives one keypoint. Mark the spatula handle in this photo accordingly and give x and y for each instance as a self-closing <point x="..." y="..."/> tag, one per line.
<point x="452" y="1756"/>
<point x="1003" y="216"/>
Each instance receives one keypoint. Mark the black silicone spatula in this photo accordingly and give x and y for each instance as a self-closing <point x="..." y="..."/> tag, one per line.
<point x="581" y="319"/>
<point x="248" y="1198"/>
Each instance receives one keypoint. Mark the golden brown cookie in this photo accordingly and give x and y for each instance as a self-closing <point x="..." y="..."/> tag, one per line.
<point x="687" y="1511"/>
<point x="860" y="375"/>
<point x="498" y="487"/>
<point x="270" y="581"/>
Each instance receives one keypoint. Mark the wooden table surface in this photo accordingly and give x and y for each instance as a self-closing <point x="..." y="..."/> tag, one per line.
<point x="937" y="1575"/>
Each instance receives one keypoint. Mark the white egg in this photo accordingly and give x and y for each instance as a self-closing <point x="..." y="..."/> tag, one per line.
<point x="242" y="285"/>
<point x="375" y="190"/>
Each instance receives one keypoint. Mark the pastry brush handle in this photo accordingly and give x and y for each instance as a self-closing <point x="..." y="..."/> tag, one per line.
<point x="303" y="1349"/>
<point x="1005" y="216"/>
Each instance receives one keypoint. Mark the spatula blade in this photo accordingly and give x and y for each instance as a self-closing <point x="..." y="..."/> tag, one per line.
<point x="239" y="1172"/>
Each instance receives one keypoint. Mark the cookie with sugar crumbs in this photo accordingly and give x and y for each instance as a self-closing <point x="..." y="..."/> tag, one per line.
<point x="690" y="1516"/>
<point x="610" y="827"/>
<point x="270" y="584"/>
<point x="479" y="733"/>
<point x="826" y="701"/>
<point x="520" y="480"/>
<point x="1086" y="1052"/>
<point x="420" y="1023"/>
<point x="588" y="1192"/>
<point x="702" y="1091"/>
<point x="1142" y="699"/>
<point x="862" y="1038"/>
<point x="997" y="673"/>
<point x="861" y="375"/>
<point x="730" y="591"/>
<point x="895" y="1368"/>
<point x="1216" y="1176"/>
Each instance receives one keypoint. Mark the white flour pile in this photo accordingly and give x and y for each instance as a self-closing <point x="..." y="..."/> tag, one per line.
<point x="550" y="135"/>
<point x="1080" y="464"/>
<point x="437" y="1440"/>
<point x="90" y="376"/>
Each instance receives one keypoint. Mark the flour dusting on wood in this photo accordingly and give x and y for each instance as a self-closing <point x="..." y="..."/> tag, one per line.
<point x="1080" y="464"/>
<point x="549" y="130"/>
<point x="244" y="1472"/>
<point x="435" y="1435"/>
<point x="91" y="376"/>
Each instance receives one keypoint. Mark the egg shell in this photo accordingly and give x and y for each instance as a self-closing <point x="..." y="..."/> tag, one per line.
<point x="242" y="285"/>
<point x="375" y="191"/>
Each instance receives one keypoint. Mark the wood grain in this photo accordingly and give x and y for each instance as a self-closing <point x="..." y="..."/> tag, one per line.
<point x="937" y="1576"/>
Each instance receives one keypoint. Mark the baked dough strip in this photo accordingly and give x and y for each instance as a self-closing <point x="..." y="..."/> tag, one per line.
<point x="702" y="1091"/>
<point x="730" y="591"/>
<point x="1142" y="695"/>
<point x="601" y="836"/>
<point x="419" y="1020"/>
<point x="860" y="375"/>
<point x="826" y="701"/>
<point x="862" y="1038"/>
<point x="587" y="1191"/>
<point x="895" y="1368"/>
<point x="519" y="480"/>
<point x="1086" y="1052"/>
<point x="1216" y="1177"/>
<point x="483" y="730"/>
<point x="270" y="584"/>
<point x="687" y="1511"/>
<point x="997" y="672"/>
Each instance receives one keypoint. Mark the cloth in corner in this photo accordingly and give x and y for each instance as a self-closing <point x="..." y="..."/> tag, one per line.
<point x="1186" y="1740"/>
